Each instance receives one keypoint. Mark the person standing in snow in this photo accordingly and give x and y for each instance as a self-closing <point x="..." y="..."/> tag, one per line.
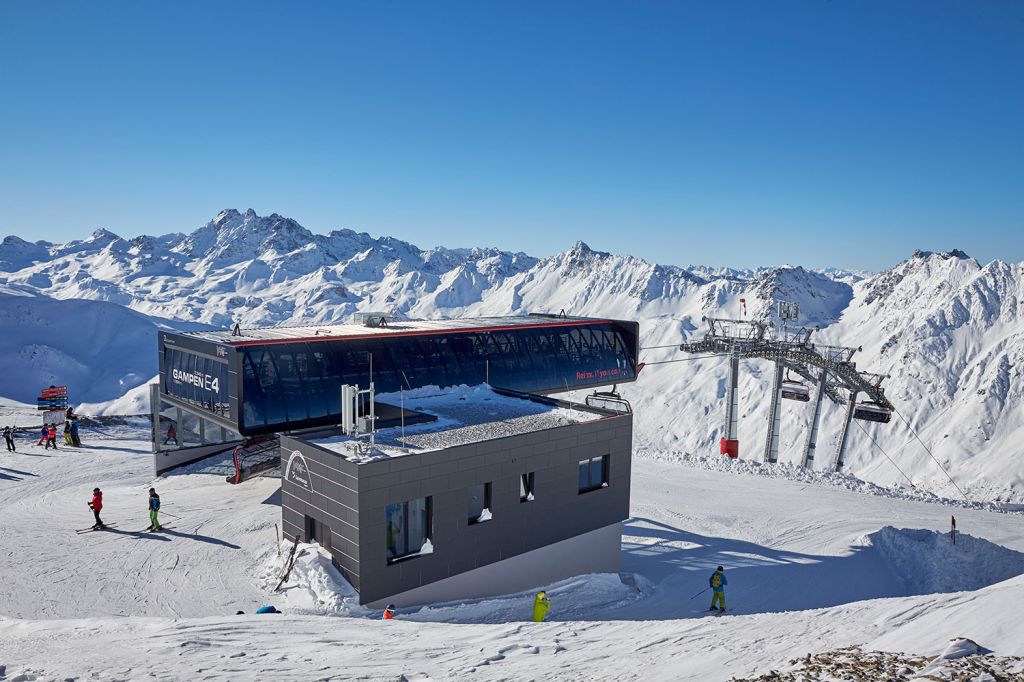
<point x="67" y="433"/>
<point x="171" y="435"/>
<point x="44" y="434"/>
<point x="9" y="438"/>
<point x="154" y="510"/>
<point x="541" y="606"/>
<point x="718" y="582"/>
<point x="51" y="437"/>
<point x="75" y="440"/>
<point x="96" y="504"/>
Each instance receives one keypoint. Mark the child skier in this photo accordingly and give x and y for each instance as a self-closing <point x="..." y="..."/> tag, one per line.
<point x="154" y="509"/>
<point x="44" y="434"/>
<point x="96" y="504"/>
<point x="389" y="612"/>
<point x="67" y="433"/>
<point x="718" y="582"/>
<point x="51" y="437"/>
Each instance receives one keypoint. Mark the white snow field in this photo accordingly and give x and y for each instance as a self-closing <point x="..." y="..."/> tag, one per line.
<point x="812" y="567"/>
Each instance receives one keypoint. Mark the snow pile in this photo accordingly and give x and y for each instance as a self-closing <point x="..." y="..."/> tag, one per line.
<point x="314" y="585"/>
<point x="465" y="414"/>
<point x="926" y="561"/>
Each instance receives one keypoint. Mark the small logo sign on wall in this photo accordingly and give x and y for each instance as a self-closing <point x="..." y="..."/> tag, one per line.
<point x="297" y="471"/>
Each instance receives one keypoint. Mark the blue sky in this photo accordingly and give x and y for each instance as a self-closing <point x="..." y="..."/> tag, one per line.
<point x="732" y="133"/>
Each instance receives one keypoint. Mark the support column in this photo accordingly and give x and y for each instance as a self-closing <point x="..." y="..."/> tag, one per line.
<point x="730" y="444"/>
<point x="771" y="444"/>
<point x="154" y="410"/>
<point x="844" y="436"/>
<point x="812" y="434"/>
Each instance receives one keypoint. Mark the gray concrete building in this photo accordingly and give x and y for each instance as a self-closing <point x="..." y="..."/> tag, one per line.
<point x="555" y="495"/>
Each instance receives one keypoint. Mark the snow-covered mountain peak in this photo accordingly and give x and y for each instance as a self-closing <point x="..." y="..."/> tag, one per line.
<point x="822" y="299"/>
<point x="102" y="235"/>
<point x="944" y="255"/>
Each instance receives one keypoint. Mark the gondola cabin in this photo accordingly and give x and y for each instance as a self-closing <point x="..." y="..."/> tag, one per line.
<point x="872" y="412"/>
<point x="795" y="390"/>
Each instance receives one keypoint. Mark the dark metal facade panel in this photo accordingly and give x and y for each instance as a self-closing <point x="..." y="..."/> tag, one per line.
<point x="350" y="499"/>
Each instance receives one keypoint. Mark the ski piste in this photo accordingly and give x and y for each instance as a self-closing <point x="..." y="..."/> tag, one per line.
<point x="91" y="529"/>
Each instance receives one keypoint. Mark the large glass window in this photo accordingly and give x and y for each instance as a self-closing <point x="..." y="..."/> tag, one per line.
<point x="296" y="385"/>
<point x="189" y="433"/>
<point x="593" y="473"/>
<point x="408" y="528"/>
<point x="479" y="503"/>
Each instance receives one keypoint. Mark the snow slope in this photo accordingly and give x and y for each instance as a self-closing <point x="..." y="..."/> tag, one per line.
<point x="947" y="329"/>
<point x="807" y="574"/>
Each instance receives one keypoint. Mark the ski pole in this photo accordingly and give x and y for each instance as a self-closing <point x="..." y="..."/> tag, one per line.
<point x="699" y="593"/>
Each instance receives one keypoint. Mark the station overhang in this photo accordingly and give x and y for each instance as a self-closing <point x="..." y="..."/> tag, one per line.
<point x="260" y="381"/>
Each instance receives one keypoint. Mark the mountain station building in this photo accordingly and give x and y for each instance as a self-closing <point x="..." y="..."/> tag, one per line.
<point x="457" y="476"/>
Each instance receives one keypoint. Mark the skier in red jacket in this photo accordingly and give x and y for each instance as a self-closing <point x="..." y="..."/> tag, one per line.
<point x="97" y="506"/>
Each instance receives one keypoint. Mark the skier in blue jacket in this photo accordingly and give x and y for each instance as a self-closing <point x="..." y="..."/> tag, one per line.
<point x="718" y="582"/>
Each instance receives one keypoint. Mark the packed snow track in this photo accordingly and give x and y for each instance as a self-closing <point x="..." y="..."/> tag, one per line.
<point x="811" y="568"/>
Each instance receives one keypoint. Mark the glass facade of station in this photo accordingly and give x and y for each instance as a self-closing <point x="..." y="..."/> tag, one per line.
<point x="176" y="429"/>
<point x="271" y="387"/>
<point x="288" y="383"/>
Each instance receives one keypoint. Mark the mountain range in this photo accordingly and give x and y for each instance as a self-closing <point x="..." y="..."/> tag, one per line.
<point x="946" y="329"/>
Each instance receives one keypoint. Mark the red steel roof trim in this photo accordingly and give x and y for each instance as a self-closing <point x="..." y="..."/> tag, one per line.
<point x="417" y="332"/>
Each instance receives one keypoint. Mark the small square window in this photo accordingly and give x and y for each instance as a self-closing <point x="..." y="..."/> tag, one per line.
<point x="526" y="487"/>
<point x="479" y="503"/>
<point x="593" y="474"/>
<point x="408" y="529"/>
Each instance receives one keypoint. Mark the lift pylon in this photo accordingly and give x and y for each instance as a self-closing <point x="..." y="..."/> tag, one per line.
<point x="771" y="444"/>
<point x="844" y="435"/>
<point x="730" y="444"/>
<point x="812" y="433"/>
<point x="790" y="348"/>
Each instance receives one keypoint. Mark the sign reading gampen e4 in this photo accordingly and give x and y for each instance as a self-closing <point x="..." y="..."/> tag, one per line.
<point x="204" y="381"/>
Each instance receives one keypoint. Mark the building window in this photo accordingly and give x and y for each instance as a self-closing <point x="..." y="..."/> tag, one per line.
<point x="593" y="473"/>
<point x="408" y="529"/>
<point x="479" y="503"/>
<point x="526" y="487"/>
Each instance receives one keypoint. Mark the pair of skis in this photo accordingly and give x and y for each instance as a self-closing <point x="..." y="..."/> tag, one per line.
<point x="114" y="525"/>
<point x="94" y="528"/>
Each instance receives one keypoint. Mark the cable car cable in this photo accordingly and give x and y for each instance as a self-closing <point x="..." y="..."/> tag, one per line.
<point x="882" y="450"/>
<point x="926" y="449"/>
<point x="703" y="357"/>
<point x="674" y="345"/>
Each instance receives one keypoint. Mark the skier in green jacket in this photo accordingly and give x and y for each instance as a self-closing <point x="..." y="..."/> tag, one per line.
<point x="541" y="605"/>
